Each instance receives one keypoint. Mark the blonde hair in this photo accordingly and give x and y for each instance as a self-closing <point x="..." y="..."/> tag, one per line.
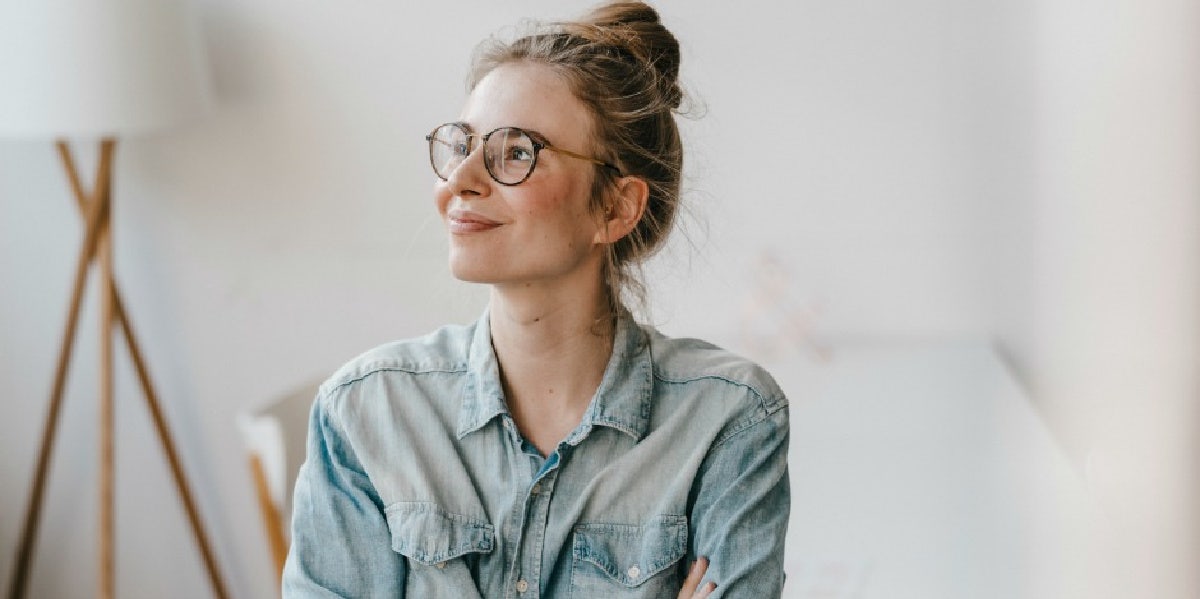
<point x="623" y="64"/>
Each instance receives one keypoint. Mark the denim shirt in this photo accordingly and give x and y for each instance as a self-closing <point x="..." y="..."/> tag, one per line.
<point x="418" y="484"/>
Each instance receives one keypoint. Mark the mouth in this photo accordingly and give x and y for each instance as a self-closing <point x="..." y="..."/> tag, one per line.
<point x="463" y="221"/>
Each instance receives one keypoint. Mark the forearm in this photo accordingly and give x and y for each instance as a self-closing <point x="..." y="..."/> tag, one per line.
<point x="741" y="510"/>
<point x="341" y="544"/>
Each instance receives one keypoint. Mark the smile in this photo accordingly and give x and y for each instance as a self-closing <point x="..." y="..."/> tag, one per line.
<point x="462" y="221"/>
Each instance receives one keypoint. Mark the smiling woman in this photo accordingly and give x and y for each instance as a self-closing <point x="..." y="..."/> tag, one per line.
<point x="539" y="231"/>
<point x="556" y="447"/>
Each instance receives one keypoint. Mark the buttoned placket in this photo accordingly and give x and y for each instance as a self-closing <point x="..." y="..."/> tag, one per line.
<point x="525" y="526"/>
<point x="535" y="518"/>
<point x="524" y="579"/>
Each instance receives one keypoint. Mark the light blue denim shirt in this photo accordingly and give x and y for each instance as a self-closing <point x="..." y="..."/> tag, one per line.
<point x="418" y="484"/>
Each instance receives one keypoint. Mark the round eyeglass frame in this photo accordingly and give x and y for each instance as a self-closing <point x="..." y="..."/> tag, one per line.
<point x="535" y="139"/>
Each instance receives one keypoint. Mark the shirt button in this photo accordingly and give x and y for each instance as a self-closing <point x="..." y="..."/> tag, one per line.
<point x="522" y="586"/>
<point x="537" y="488"/>
<point x="633" y="571"/>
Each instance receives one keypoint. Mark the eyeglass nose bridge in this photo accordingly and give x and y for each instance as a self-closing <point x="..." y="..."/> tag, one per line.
<point x="471" y="147"/>
<point x="474" y="142"/>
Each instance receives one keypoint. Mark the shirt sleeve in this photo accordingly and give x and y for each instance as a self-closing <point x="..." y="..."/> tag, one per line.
<point x="341" y="545"/>
<point x="740" y="514"/>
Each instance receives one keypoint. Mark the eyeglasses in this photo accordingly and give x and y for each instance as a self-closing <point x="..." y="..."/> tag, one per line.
<point x="509" y="153"/>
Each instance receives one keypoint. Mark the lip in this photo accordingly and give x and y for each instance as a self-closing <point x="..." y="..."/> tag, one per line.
<point x="465" y="221"/>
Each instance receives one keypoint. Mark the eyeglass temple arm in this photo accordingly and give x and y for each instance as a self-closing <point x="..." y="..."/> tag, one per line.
<point x="581" y="157"/>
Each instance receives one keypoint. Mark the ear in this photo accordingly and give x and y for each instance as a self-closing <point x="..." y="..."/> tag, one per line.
<point x="629" y="202"/>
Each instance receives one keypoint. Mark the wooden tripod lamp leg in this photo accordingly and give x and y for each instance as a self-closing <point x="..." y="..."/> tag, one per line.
<point x="168" y="445"/>
<point x="107" y="580"/>
<point x="96" y="216"/>
<point x="120" y="317"/>
<point x="97" y="245"/>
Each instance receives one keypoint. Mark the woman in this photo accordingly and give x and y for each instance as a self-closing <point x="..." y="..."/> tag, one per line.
<point x="555" y="448"/>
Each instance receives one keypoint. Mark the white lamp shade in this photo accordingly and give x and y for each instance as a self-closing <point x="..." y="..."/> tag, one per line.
<point x="98" y="67"/>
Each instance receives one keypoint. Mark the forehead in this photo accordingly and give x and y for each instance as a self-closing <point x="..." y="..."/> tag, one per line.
<point x="529" y="96"/>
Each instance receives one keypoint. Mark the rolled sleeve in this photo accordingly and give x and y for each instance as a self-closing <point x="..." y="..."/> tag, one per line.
<point x="341" y="544"/>
<point x="741" y="508"/>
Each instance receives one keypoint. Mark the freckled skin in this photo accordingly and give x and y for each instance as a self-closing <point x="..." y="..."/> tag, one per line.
<point x="548" y="235"/>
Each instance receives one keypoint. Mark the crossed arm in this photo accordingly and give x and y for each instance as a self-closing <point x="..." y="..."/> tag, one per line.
<point x="739" y="513"/>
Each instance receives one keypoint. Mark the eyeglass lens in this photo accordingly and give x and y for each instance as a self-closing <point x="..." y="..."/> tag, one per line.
<point x="508" y="153"/>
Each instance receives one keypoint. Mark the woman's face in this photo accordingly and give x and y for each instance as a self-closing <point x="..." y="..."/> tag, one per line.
<point x="540" y="231"/>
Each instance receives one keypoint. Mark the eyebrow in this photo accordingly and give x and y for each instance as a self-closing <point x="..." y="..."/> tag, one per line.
<point x="535" y="134"/>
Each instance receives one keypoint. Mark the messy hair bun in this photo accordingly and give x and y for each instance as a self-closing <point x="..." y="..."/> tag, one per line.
<point x="634" y="27"/>
<point x="623" y="64"/>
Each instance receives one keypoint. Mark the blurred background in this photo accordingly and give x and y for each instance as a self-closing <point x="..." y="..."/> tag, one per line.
<point x="1022" y="175"/>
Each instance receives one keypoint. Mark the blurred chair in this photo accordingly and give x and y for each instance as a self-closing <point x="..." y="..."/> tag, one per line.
<point x="275" y="436"/>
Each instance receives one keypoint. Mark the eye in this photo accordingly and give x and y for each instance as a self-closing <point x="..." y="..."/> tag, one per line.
<point x="460" y="149"/>
<point x="519" y="153"/>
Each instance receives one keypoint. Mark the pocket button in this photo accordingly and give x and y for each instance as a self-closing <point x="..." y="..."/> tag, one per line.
<point x="633" y="572"/>
<point x="441" y="565"/>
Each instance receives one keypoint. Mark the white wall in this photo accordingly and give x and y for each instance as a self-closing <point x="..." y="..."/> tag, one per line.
<point x="897" y="161"/>
<point x="1104" y="326"/>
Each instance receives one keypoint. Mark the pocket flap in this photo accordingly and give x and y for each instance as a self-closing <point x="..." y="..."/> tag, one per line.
<point x="424" y="532"/>
<point x="631" y="554"/>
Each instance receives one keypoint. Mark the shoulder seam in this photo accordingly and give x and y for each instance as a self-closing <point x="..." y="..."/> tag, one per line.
<point x="770" y="405"/>
<point x="349" y="379"/>
<point x="742" y="426"/>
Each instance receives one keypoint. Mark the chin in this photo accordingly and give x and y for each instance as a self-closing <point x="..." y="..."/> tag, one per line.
<point x="472" y="277"/>
<point x="472" y="271"/>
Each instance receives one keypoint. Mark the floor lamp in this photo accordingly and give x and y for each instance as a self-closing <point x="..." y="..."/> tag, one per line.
<point x="99" y="69"/>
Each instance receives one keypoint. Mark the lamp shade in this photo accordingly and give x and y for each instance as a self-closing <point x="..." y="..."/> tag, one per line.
<point x="98" y="67"/>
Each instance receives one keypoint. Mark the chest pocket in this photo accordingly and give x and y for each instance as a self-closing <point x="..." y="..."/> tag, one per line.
<point x="628" y="561"/>
<point x="442" y="548"/>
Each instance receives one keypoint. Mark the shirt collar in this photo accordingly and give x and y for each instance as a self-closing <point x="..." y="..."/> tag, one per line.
<point x="622" y="401"/>
<point x="484" y="397"/>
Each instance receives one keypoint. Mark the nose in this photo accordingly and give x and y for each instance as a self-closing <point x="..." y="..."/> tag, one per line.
<point x="470" y="177"/>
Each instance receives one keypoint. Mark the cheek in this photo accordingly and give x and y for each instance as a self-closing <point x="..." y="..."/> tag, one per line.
<point x="569" y="207"/>
<point x="539" y="208"/>
<point x="559" y="220"/>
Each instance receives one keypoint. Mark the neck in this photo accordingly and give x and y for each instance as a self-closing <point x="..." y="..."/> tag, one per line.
<point x="552" y="352"/>
<point x="573" y="338"/>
